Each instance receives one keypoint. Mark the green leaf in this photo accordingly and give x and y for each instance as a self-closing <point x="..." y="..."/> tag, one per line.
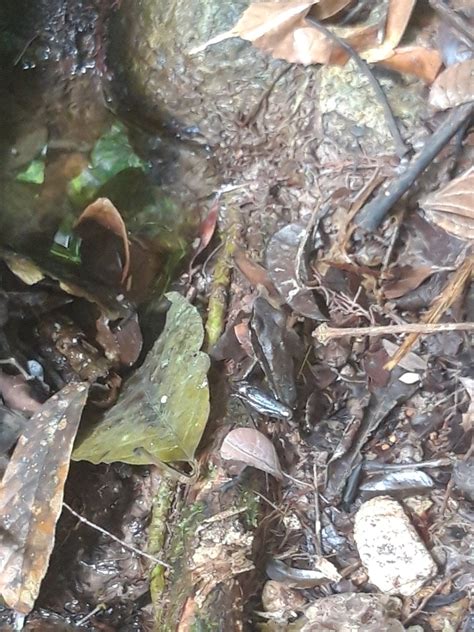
<point x="34" y="173"/>
<point x="163" y="408"/>
<point x="111" y="154"/>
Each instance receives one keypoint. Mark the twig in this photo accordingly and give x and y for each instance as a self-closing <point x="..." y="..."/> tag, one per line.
<point x="449" y="294"/>
<point x="113" y="537"/>
<point x="456" y="21"/>
<point x="264" y="97"/>
<point x="98" y="608"/>
<point x="373" y="214"/>
<point x="431" y="594"/>
<point x="323" y="333"/>
<point x="317" y="513"/>
<point x="400" y="147"/>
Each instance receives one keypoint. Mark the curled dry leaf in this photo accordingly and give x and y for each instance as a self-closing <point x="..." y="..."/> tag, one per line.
<point x="282" y="261"/>
<point x="454" y="86"/>
<point x="452" y="208"/>
<point x="251" y="447"/>
<point x="31" y="495"/>
<point x="104" y="213"/>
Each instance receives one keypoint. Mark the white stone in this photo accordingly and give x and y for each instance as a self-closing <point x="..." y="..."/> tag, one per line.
<point x="396" y="559"/>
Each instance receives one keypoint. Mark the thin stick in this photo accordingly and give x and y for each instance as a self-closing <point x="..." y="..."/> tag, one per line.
<point x="113" y="537"/>
<point x="317" y="513"/>
<point x="400" y="147"/>
<point x="323" y="333"/>
<point x="449" y="294"/>
<point x="372" y="215"/>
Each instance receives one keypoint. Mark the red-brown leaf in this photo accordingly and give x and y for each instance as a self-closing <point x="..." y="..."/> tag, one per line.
<point x="251" y="447"/>
<point x="31" y="495"/>
<point x="106" y="215"/>
<point x="452" y="207"/>
<point x="454" y="86"/>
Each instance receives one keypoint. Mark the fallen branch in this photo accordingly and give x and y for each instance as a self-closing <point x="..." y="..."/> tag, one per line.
<point x="372" y="215"/>
<point x="92" y="525"/>
<point x="217" y="306"/>
<point x="323" y="333"/>
<point x="449" y="294"/>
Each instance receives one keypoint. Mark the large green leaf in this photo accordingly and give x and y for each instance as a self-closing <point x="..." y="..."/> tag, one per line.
<point x="163" y="408"/>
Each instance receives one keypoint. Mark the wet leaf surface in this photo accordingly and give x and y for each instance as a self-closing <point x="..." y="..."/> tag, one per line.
<point x="31" y="496"/>
<point x="163" y="407"/>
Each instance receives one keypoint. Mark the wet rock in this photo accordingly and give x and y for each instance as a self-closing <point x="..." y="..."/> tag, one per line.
<point x="396" y="559"/>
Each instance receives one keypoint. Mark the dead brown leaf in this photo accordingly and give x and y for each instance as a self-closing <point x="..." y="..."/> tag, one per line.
<point x="454" y="86"/>
<point x="104" y="213"/>
<point x="452" y="208"/>
<point x="31" y="495"/>
<point x="424" y="63"/>
<point x="407" y="279"/>
<point x="398" y="16"/>
<point x="281" y="29"/>
<point x="251" y="447"/>
<point x="328" y="8"/>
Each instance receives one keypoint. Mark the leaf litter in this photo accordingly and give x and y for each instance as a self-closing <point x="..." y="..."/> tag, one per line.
<point x="349" y="433"/>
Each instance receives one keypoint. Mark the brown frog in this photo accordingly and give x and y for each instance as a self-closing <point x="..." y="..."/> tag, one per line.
<point x="69" y="356"/>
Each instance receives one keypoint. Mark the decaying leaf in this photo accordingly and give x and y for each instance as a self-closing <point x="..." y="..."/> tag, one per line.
<point x="411" y="362"/>
<point x="282" y="261"/>
<point x="281" y="29"/>
<point x="31" y="495"/>
<point x="454" y="86"/>
<point x="163" y="408"/>
<point x="251" y="447"/>
<point x="407" y="279"/>
<point x="104" y="213"/>
<point x="452" y="208"/>
<point x="421" y="62"/>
